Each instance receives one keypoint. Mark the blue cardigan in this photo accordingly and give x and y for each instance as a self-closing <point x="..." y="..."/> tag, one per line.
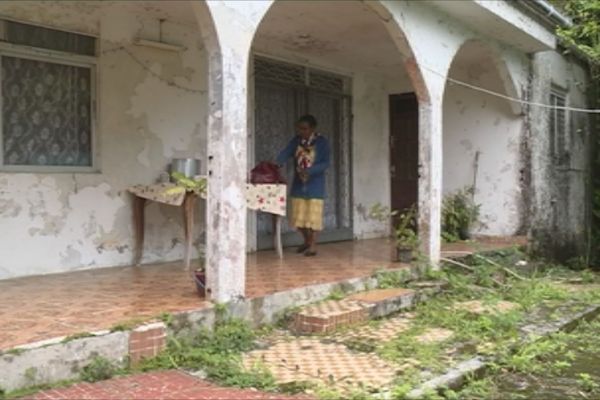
<point x="314" y="188"/>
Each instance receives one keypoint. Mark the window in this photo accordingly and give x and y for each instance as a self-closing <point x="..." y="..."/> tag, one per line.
<point x="47" y="96"/>
<point x="559" y="143"/>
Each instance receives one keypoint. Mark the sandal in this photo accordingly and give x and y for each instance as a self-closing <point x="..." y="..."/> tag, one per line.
<point x="302" y="248"/>
<point x="310" y="253"/>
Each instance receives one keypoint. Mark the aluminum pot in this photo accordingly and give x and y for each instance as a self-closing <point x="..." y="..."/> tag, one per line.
<point x="190" y="167"/>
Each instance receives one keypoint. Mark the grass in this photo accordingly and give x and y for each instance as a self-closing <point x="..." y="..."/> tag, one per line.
<point x="492" y="333"/>
<point x="574" y="357"/>
<point x="75" y="336"/>
<point x="28" y="391"/>
<point x="217" y="354"/>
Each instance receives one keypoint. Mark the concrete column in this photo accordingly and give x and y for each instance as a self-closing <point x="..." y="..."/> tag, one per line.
<point x="429" y="89"/>
<point x="226" y="204"/>
<point x="228" y="41"/>
<point x="430" y="177"/>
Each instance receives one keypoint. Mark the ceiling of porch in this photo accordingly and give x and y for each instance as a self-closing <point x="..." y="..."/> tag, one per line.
<point x="344" y="35"/>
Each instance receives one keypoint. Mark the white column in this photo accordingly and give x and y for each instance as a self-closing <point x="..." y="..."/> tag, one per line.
<point x="228" y="44"/>
<point x="430" y="177"/>
<point x="226" y="204"/>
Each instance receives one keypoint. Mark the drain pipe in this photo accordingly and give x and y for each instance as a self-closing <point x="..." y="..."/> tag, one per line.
<point x="548" y="11"/>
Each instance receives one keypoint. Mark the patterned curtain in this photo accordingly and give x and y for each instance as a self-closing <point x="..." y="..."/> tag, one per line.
<point x="46" y="113"/>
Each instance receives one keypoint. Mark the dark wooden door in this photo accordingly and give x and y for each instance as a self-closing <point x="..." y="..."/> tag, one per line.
<point x="404" y="150"/>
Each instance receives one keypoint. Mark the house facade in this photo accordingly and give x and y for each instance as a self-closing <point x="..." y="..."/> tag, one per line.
<point x="418" y="98"/>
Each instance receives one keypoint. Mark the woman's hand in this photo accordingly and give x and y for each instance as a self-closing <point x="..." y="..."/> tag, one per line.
<point x="303" y="175"/>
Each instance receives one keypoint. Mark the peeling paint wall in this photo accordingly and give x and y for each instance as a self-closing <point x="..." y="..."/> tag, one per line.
<point x="477" y="125"/>
<point x="63" y="222"/>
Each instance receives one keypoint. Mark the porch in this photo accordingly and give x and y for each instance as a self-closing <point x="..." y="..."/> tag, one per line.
<point x="44" y="307"/>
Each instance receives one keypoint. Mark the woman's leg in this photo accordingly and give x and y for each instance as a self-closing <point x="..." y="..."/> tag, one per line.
<point x="312" y="243"/>
<point x="305" y="236"/>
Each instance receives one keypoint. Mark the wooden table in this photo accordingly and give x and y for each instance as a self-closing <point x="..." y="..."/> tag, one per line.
<point x="267" y="198"/>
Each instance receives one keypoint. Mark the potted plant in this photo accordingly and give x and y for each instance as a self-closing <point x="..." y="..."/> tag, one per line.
<point x="183" y="184"/>
<point x="459" y="214"/>
<point x="200" y="273"/>
<point x="200" y="280"/>
<point x="404" y="233"/>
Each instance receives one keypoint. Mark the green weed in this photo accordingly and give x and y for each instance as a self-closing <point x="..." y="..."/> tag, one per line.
<point x="587" y="383"/>
<point x="391" y="279"/>
<point x="76" y="336"/>
<point x="99" y="369"/>
<point x="217" y="353"/>
<point x="336" y="294"/>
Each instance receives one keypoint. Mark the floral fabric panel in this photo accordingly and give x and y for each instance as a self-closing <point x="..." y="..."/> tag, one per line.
<point x="266" y="198"/>
<point x="47" y="116"/>
<point x="159" y="192"/>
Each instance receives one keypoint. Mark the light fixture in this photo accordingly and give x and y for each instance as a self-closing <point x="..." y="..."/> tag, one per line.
<point x="158" y="44"/>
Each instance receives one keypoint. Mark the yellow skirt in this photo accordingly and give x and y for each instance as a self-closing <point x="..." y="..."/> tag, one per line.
<point x="307" y="213"/>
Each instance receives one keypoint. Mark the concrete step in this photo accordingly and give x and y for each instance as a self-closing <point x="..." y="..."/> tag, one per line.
<point x="330" y="315"/>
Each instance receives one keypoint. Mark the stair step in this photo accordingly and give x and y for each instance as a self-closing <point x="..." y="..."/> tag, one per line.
<point x="385" y="301"/>
<point x="327" y="316"/>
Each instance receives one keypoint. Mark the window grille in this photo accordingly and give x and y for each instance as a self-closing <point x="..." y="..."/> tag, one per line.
<point x="278" y="71"/>
<point x="270" y="70"/>
<point x="326" y="82"/>
<point x="47" y="101"/>
<point x="559" y="142"/>
<point x="52" y="39"/>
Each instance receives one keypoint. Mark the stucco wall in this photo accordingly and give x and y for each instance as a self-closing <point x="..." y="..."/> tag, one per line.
<point x="477" y="123"/>
<point x="63" y="222"/>
<point x="559" y="194"/>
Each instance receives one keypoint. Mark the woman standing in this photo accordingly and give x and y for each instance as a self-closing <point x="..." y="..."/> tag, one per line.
<point x="310" y="151"/>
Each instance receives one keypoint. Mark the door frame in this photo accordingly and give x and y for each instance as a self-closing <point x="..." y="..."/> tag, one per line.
<point x="256" y="242"/>
<point x="411" y="96"/>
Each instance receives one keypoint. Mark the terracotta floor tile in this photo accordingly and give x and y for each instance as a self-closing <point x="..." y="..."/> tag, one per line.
<point x="43" y="307"/>
<point x="309" y="359"/>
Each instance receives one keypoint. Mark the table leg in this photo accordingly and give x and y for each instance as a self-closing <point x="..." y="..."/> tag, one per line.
<point x="138" y="226"/>
<point x="189" y="206"/>
<point x="277" y="235"/>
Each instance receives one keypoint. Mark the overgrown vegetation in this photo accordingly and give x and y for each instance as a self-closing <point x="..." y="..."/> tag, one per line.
<point x="28" y="391"/>
<point x="459" y="214"/>
<point x="99" y="369"/>
<point x="507" y="276"/>
<point x="565" y="365"/>
<point x="403" y="223"/>
<point x="217" y="354"/>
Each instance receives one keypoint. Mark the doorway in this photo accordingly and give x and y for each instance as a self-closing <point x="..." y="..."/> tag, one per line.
<point x="404" y="150"/>
<point x="284" y="92"/>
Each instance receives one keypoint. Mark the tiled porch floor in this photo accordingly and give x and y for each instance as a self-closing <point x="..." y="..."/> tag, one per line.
<point x="43" y="307"/>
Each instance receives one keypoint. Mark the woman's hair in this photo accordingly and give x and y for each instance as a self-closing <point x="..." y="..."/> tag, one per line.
<point x="308" y="119"/>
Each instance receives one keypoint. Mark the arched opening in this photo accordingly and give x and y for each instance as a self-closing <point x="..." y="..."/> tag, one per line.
<point x="341" y="63"/>
<point x="481" y="140"/>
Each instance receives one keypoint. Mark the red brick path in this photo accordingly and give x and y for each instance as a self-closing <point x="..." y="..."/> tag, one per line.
<point x="155" y="385"/>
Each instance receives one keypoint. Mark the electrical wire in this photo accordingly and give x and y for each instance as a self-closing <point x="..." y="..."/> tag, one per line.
<point x="150" y="71"/>
<point x="447" y="78"/>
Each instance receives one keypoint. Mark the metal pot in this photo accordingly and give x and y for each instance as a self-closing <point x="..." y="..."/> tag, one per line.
<point x="190" y="167"/>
